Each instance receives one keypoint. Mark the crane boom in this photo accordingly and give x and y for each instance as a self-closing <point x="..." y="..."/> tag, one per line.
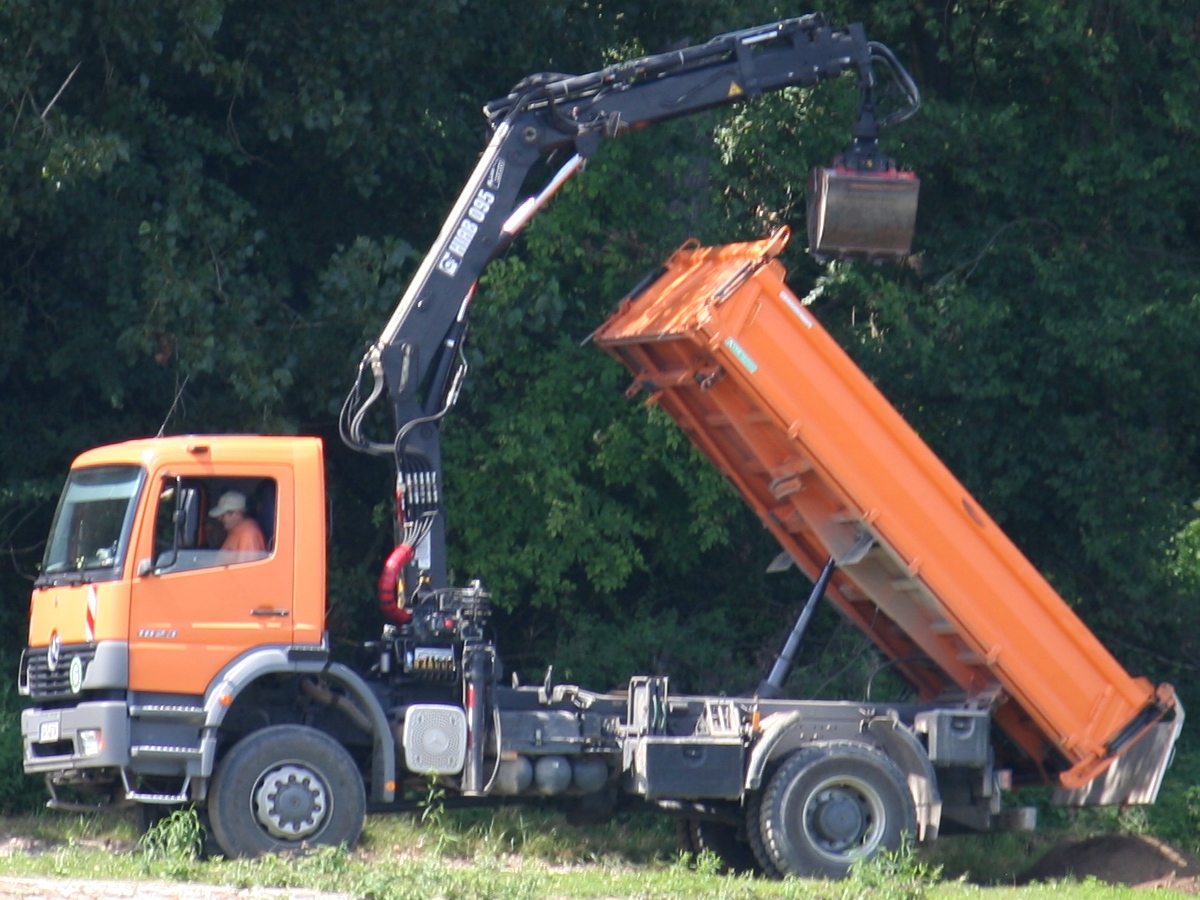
<point x="417" y="360"/>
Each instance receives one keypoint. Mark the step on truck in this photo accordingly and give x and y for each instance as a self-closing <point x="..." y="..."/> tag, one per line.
<point x="168" y="664"/>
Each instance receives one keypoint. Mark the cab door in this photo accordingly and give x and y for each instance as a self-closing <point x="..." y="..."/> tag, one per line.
<point x="194" y="609"/>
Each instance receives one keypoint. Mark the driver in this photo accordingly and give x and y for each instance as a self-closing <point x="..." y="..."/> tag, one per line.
<point x="241" y="532"/>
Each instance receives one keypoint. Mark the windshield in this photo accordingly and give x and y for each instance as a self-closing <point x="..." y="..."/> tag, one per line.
<point x="90" y="533"/>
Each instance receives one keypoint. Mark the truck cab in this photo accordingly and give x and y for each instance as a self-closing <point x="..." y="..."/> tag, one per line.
<point x="138" y="612"/>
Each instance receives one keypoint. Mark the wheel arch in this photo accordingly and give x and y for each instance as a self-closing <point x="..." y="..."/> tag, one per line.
<point x="902" y="747"/>
<point x="264" y="662"/>
<point x="775" y="728"/>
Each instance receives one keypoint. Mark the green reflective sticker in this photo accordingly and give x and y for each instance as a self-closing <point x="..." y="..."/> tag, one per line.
<point x="76" y="675"/>
<point x="742" y="355"/>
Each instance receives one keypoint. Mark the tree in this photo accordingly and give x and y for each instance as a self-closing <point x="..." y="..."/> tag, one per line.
<point x="1042" y="337"/>
<point x="1042" y="340"/>
<point x="208" y="207"/>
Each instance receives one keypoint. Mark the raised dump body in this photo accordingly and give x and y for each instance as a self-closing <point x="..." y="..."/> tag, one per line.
<point x="731" y="354"/>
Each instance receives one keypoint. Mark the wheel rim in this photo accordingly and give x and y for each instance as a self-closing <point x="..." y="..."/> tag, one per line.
<point x="291" y="802"/>
<point x="844" y="818"/>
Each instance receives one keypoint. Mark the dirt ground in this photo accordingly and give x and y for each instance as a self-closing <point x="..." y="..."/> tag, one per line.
<point x="1119" y="859"/>
<point x="1140" y="862"/>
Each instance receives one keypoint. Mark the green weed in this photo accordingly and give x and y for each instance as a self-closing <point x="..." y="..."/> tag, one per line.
<point x="434" y="821"/>
<point x="898" y="874"/>
<point x="516" y="854"/>
<point x="172" y="846"/>
<point x="178" y="836"/>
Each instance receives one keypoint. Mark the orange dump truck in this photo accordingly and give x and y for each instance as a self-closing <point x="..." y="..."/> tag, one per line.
<point x="169" y="663"/>
<point x="166" y="668"/>
<point x="723" y="346"/>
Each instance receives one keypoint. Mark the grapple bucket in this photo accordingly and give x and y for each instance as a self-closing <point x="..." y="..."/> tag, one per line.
<point x="853" y="213"/>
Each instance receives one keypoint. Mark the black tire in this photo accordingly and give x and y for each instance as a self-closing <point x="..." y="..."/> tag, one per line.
<point x="721" y="839"/>
<point x="283" y="788"/>
<point x="754" y="837"/>
<point x="684" y="835"/>
<point x="827" y="807"/>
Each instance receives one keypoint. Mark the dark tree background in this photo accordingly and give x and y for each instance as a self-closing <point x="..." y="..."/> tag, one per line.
<point x="208" y="208"/>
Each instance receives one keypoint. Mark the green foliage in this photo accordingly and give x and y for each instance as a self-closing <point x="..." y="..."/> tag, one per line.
<point x="1175" y="817"/>
<point x="18" y="792"/>
<point x="988" y="859"/>
<point x="632" y="856"/>
<point x="210" y="206"/>
<point x="536" y="834"/>
<point x="1041" y="339"/>
<point x="898" y="874"/>
<point x="173" y="843"/>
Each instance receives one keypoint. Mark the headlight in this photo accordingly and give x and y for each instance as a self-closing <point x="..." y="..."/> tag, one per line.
<point x="91" y="741"/>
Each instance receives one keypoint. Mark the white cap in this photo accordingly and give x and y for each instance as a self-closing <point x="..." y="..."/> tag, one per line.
<point x="231" y="501"/>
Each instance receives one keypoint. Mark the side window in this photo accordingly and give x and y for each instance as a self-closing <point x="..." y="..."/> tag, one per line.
<point x="206" y="522"/>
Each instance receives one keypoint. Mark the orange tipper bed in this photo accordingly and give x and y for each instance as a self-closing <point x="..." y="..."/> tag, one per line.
<point x="729" y="352"/>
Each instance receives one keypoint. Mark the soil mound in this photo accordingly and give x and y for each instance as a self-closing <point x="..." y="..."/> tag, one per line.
<point x="1119" y="859"/>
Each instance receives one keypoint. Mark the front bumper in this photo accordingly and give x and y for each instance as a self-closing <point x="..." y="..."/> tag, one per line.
<point x="75" y="738"/>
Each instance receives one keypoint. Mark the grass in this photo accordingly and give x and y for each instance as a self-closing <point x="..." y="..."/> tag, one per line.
<point x="518" y="854"/>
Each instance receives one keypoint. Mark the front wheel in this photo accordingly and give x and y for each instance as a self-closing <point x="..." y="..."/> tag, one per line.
<point x="827" y="807"/>
<point x="283" y="788"/>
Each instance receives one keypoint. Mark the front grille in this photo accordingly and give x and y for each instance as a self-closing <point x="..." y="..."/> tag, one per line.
<point x="47" y="685"/>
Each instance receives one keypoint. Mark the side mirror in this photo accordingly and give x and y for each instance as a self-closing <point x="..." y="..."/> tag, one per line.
<point x="145" y="567"/>
<point x="187" y="518"/>
<point x="187" y="524"/>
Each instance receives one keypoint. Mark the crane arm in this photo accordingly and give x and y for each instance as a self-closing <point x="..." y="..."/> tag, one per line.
<point x="417" y="360"/>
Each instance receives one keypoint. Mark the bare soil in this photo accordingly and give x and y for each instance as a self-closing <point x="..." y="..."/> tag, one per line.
<point x="1119" y="859"/>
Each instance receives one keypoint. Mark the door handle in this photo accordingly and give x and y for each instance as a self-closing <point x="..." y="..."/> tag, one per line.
<point x="269" y="611"/>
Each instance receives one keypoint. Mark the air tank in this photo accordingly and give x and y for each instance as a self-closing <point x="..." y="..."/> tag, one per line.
<point x="552" y="775"/>
<point x="513" y="776"/>
<point x="589" y="774"/>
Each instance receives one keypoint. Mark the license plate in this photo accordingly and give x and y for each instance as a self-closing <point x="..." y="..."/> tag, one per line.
<point x="47" y="732"/>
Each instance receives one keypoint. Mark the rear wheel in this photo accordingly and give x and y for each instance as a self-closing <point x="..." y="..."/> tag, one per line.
<point x="755" y="839"/>
<point x="827" y="807"/>
<point x="285" y="787"/>
<point x="721" y="839"/>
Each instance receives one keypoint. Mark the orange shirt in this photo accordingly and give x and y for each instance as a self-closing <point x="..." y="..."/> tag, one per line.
<point x="245" y="535"/>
